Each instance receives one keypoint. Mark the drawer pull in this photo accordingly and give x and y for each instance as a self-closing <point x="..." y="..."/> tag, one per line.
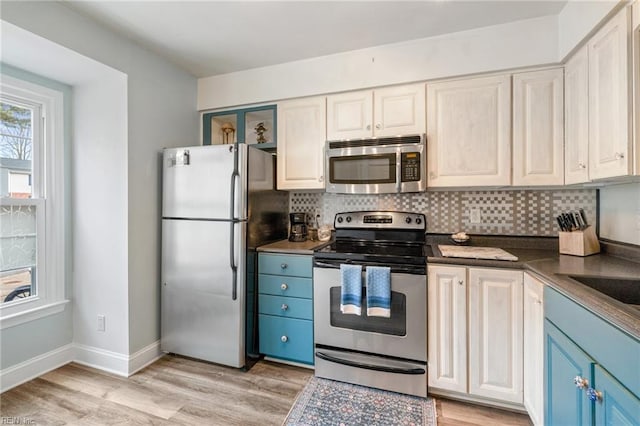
<point x="284" y="307"/>
<point x="283" y="286"/>
<point x="283" y="266"/>
<point x="284" y="339"/>
<point x="581" y="382"/>
<point x="594" y="395"/>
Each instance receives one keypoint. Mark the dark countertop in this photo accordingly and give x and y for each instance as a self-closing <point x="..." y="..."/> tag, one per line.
<point x="540" y="256"/>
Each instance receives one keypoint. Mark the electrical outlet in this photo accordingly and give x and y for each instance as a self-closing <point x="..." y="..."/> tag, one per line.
<point x="100" y="322"/>
<point x="475" y="216"/>
<point x="316" y="215"/>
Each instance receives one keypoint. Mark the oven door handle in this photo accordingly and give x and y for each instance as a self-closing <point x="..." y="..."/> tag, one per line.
<point x="383" y="368"/>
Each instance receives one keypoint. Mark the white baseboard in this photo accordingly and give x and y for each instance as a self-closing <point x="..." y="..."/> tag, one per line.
<point x="117" y="363"/>
<point x="145" y="356"/>
<point x="112" y="362"/>
<point x="35" y="367"/>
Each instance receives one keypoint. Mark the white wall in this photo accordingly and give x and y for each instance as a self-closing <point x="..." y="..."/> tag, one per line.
<point x="519" y="44"/>
<point x="578" y="19"/>
<point x="116" y="175"/>
<point x="620" y="213"/>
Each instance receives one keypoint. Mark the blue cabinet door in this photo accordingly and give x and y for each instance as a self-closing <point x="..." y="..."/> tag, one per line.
<point x="286" y="338"/>
<point x="565" y="404"/>
<point x="617" y="406"/>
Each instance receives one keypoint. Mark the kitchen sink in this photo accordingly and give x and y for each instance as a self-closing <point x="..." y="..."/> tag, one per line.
<point x="625" y="290"/>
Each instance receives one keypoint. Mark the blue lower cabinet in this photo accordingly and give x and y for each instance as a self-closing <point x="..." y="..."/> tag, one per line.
<point x="565" y="403"/>
<point x="286" y="338"/>
<point x="615" y="405"/>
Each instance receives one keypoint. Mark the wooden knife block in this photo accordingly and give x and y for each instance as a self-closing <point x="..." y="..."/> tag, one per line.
<point x="579" y="243"/>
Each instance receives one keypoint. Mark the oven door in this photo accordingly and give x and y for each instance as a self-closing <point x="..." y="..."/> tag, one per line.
<point x="403" y="335"/>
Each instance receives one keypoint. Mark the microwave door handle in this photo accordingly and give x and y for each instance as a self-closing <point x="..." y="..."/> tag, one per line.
<point x="398" y="170"/>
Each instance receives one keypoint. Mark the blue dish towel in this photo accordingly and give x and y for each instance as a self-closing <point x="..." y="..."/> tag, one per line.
<point x="351" y="295"/>
<point x="379" y="291"/>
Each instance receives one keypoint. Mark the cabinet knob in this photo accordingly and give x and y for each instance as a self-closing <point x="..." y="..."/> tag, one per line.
<point x="582" y="165"/>
<point x="594" y="395"/>
<point x="619" y="155"/>
<point x="283" y="266"/>
<point x="321" y="179"/>
<point x="460" y="282"/>
<point x="432" y="175"/>
<point x="538" y="302"/>
<point x="368" y="126"/>
<point x="284" y="339"/>
<point x="581" y="382"/>
<point x="284" y="307"/>
<point x="378" y="126"/>
<point x="283" y="286"/>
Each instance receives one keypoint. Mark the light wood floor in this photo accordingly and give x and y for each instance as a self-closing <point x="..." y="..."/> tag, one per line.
<point x="181" y="391"/>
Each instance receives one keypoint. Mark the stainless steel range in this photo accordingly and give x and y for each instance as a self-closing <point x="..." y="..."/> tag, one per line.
<point x="386" y="353"/>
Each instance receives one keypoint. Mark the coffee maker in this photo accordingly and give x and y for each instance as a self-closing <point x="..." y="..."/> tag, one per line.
<point x="298" y="227"/>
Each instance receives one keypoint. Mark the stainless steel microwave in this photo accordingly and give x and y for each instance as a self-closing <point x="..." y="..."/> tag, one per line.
<point x="376" y="165"/>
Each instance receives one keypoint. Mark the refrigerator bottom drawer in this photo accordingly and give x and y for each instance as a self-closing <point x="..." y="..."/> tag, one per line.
<point x="286" y="338"/>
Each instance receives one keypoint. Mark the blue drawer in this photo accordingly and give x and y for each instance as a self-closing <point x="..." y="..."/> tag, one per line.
<point x="288" y="307"/>
<point x="285" y="264"/>
<point x="285" y="286"/>
<point x="286" y="338"/>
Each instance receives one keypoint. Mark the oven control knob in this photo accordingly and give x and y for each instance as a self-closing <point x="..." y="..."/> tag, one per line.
<point x="408" y="219"/>
<point x="418" y="221"/>
<point x="339" y="219"/>
<point x="348" y="219"/>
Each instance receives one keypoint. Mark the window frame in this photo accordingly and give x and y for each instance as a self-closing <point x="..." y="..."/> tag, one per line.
<point x="48" y="197"/>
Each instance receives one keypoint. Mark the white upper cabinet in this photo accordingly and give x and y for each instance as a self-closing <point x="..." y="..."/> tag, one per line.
<point x="389" y="111"/>
<point x="301" y="139"/>
<point x="576" y="118"/>
<point x="538" y="134"/>
<point x="469" y="132"/>
<point x="609" y="95"/>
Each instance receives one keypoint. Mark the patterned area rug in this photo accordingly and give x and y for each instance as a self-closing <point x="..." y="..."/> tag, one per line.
<point x="325" y="402"/>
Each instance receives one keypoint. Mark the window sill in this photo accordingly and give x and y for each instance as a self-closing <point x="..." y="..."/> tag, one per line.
<point x="32" y="314"/>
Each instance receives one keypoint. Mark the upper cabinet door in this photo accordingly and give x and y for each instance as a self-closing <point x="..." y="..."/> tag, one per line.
<point x="301" y="139"/>
<point x="576" y="118"/>
<point x="390" y="111"/>
<point x="538" y="135"/>
<point x="469" y="132"/>
<point x="349" y="115"/>
<point x="609" y="95"/>
<point x="399" y="110"/>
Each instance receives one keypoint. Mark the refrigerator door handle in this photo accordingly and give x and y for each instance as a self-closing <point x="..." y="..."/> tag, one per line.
<point x="232" y="244"/>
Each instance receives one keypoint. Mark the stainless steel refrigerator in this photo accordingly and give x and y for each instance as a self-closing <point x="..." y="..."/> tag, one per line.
<point x="219" y="203"/>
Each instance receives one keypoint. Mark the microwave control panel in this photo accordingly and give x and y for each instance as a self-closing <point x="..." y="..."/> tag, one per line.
<point x="410" y="166"/>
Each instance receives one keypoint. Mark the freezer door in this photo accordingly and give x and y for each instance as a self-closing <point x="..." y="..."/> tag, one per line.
<point x="199" y="316"/>
<point x="199" y="182"/>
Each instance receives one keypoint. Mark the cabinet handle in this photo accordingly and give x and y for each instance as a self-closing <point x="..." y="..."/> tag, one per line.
<point x="594" y="395"/>
<point x="368" y="126"/>
<point x="284" y="339"/>
<point x="283" y="266"/>
<point x="378" y="126"/>
<point x="619" y="155"/>
<point x="284" y="307"/>
<point x="582" y="166"/>
<point x="283" y="286"/>
<point x="581" y="382"/>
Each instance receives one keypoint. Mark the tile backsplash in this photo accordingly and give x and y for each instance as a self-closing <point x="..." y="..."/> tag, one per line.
<point x="513" y="212"/>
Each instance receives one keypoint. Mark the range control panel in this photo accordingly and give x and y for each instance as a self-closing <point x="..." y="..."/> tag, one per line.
<point x="380" y="220"/>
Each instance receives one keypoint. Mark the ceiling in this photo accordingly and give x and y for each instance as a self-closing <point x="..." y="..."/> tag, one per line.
<point x="217" y="37"/>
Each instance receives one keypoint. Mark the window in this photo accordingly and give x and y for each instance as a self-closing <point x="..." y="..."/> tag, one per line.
<point x="31" y="201"/>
